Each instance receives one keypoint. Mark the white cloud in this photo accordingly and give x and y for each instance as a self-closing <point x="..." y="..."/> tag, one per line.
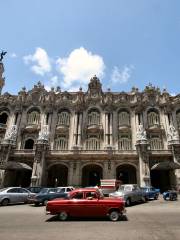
<point x="53" y="82"/>
<point x="121" y="75"/>
<point x="40" y="60"/>
<point x="13" y="55"/>
<point x="79" y="67"/>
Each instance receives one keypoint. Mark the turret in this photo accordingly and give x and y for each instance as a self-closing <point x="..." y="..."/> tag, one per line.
<point x="2" y="79"/>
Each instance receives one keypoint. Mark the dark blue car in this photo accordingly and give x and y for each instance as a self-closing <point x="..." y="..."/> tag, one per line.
<point x="151" y="192"/>
<point x="45" y="195"/>
<point x="170" y="195"/>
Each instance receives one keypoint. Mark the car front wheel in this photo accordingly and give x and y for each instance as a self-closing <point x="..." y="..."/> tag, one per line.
<point x="63" y="216"/>
<point x="5" y="202"/>
<point x="114" y="216"/>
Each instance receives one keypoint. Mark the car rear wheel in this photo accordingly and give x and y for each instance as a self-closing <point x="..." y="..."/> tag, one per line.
<point x="114" y="216"/>
<point x="128" y="202"/>
<point x="5" y="202"/>
<point x="63" y="216"/>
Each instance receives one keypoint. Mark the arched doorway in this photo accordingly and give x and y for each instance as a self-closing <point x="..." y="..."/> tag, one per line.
<point x="161" y="179"/>
<point x="57" y="176"/>
<point x="29" y="144"/>
<point x="91" y="175"/>
<point x="17" y="174"/>
<point x="126" y="173"/>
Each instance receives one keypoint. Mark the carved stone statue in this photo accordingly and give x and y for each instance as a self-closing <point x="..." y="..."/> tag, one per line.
<point x="141" y="134"/>
<point x="172" y="134"/>
<point x="11" y="134"/>
<point x="2" y="55"/>
<point x="44" y="133"/>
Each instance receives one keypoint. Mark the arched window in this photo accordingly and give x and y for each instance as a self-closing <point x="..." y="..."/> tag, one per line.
<point x="178" y="118"/>
<point x="29" y="144"/>
<point x="63" y="118"/>
<point x="153" y="118"/>
<point x="123" y="118"/>
<point x="93" y="117"/>
<point x="61" y="143"/>
<point x="156" y="142"/>
<point x="93" y="143"/>
<point x="33" y="117"/>
<point x="3" y="118"/>
<point x="124" y="142"/>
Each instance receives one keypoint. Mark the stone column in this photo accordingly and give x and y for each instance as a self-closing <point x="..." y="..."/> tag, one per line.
<point x="70" y="174"/>
<point x="133" y="129"/>
<point x="176" y="159"/>
<point x="79" y="130"/>
<point x="75" y="129"/>
<point x="39" y="166"/>
<point x="110" y="128"/>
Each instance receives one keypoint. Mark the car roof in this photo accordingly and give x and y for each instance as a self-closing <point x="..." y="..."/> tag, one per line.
<point x="84" y="190"/>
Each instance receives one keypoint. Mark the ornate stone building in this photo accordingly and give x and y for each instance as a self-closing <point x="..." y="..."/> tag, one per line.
<point x="60" y="138"/>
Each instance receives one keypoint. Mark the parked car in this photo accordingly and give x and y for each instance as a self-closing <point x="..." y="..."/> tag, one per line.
<point x="86" y="202"/>
<point x="34" y="189"/>
<point x="14" y="195"/>
<point x="131" y="193"/>
<point x="65" y="189"/>
<point x="45" y="195"/>
<point x="171" y="195"/>
<point x="151" y="192"/>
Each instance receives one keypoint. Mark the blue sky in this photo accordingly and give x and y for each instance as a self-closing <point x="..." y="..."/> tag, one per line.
<point x="65" y="42"/>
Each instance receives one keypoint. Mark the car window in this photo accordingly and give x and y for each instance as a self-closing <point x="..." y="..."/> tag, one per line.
<point x="52" y="190"/>
<point x="62" y="190"/>
<point x="128" y="188"/>
<point x="78" y="195"/>
<point x="44" y="190"/>
<point x="69" y="189"/>
<point x="13" y="190"/>
<point x="22" y="190"/>
<point x="91" y="195"/>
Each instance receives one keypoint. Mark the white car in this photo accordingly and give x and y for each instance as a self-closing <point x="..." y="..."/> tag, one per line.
<point x="14" y="195"/>
<point x="65" y="189"/>
<point x="131" y="193"/>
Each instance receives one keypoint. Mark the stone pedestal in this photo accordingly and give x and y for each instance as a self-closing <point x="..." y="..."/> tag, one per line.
<point x="39" y="167"/>
<point x="5" y="151"/>
<point x="176" y="158"/>
<point x="144" y="169"/>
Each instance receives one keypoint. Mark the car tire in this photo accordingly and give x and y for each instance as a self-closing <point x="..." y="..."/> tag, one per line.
<point x="5" y="202"/>
<point x="155" y="197"/>
<point x="114" y="216"/>
<point x="128" y="202"/>
<point x="45" y="202"/>
<point x="36" y="204"/>
<point x="63" y="216"/>
<point x="143" y="199"/>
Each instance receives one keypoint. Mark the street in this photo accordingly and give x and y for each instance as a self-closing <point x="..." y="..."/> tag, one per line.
<point x="153" y="220"/>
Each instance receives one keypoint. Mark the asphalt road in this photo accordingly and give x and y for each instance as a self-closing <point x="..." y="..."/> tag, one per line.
<point x="153" y="220"/>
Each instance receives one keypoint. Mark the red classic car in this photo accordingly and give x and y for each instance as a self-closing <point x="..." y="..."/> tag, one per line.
<point x="86" y="202"/>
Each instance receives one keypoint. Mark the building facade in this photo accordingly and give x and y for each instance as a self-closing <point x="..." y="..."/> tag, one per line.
<point x="58" y="138"/>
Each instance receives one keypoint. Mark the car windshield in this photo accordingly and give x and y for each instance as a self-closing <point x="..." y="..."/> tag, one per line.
<point x="44" y="190"/>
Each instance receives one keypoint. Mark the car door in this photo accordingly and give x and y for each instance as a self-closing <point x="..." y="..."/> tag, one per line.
<point x="77" y="205"/>
<point x="23" y="194"/>
<point x="13" y="195"/>
<point x="93" y="206"/>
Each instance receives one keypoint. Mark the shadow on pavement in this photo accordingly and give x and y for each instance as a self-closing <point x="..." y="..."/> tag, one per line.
<point x="86" y="219"/>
